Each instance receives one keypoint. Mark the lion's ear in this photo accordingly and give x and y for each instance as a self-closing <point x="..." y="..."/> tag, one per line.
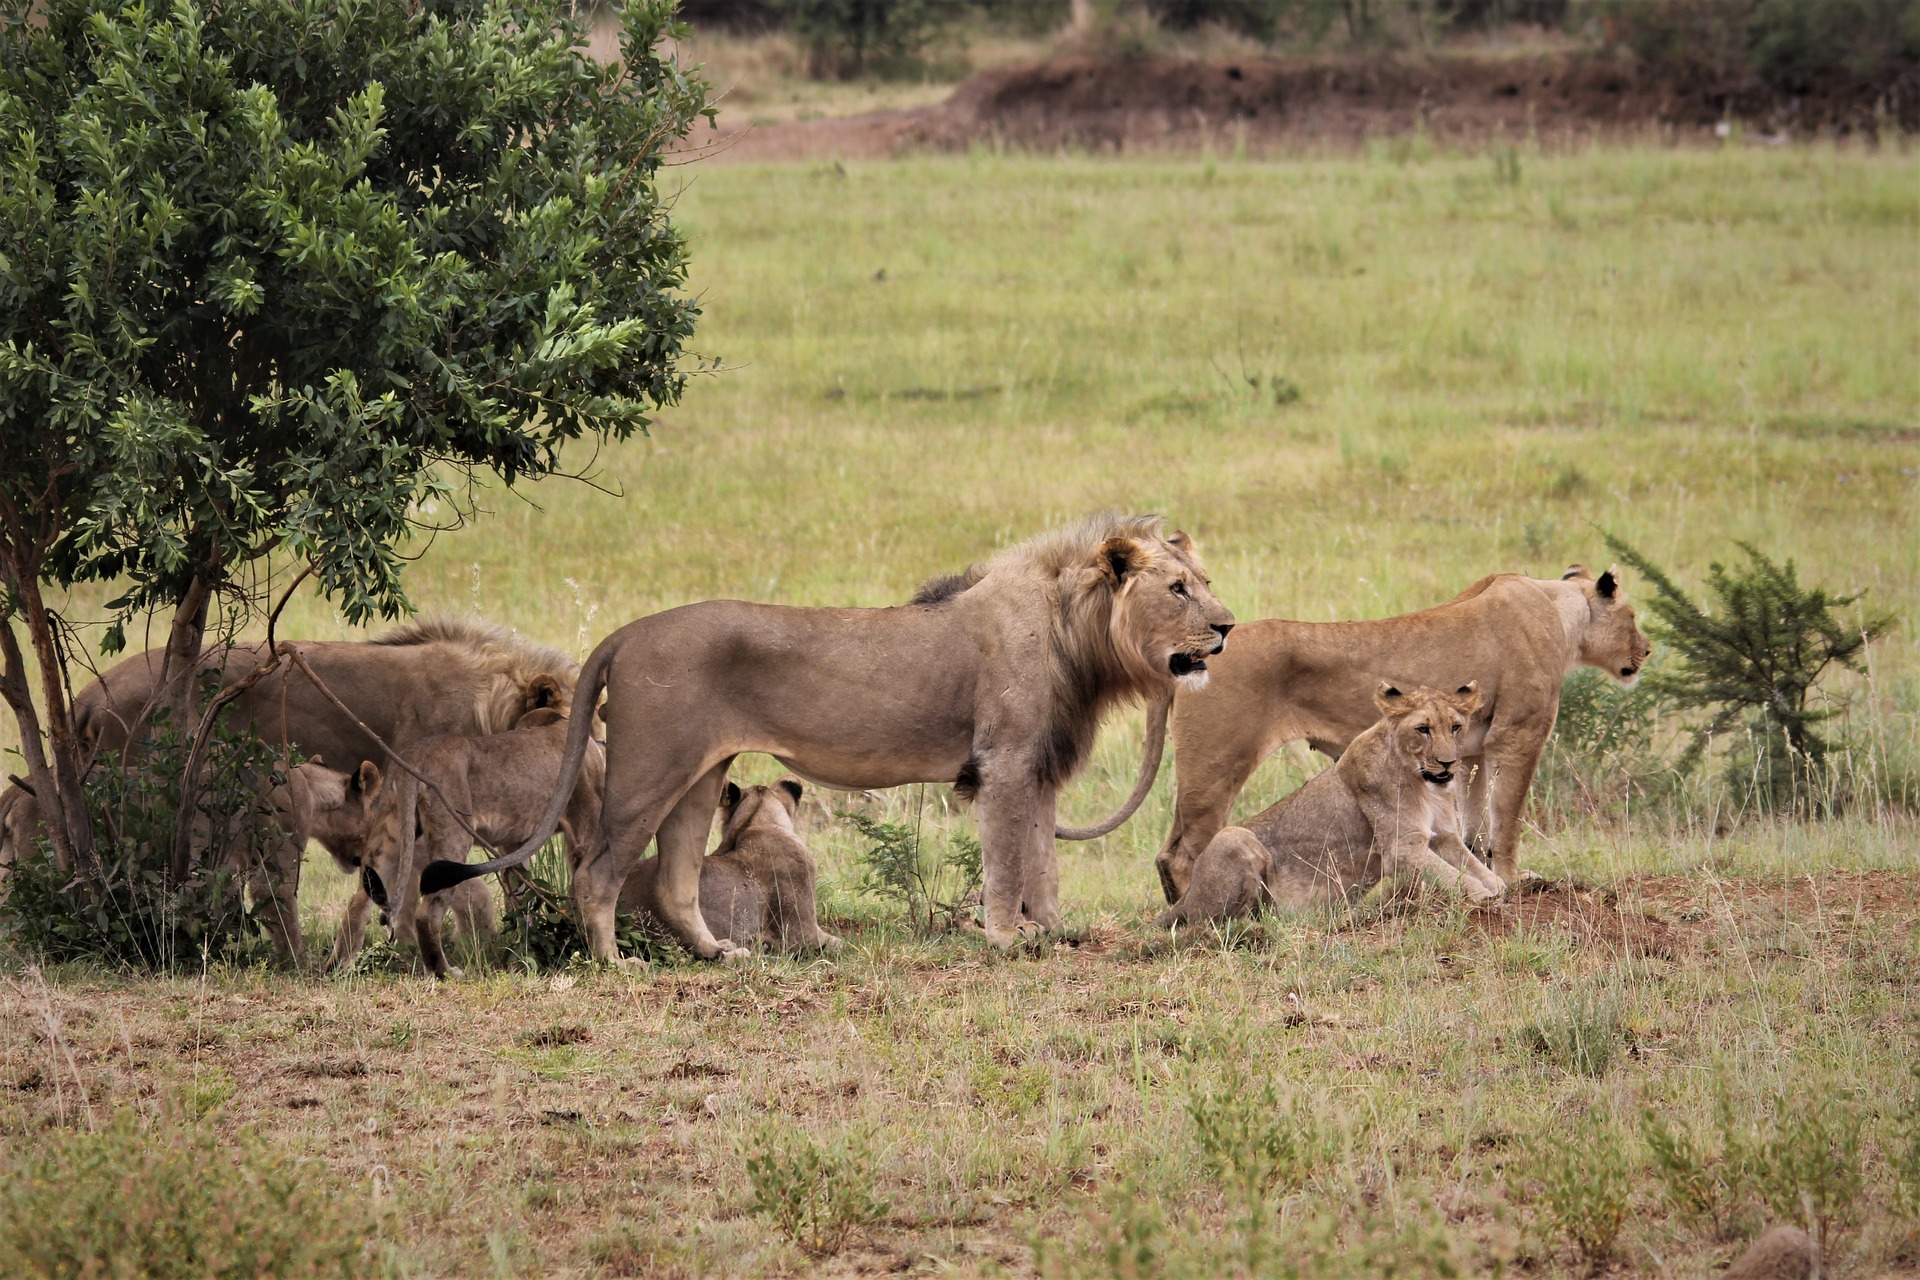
<point x="1120" y="557"/>
<point x="544" y="691"/>
<point x="1609" y="583"/>
<point x="1575" y="573"/>
<point x="1467" y="696"/>
<point x="1181" y="541"/>
<point x="793" y="788"/>
<point x="368" y="780"/>
<point x="1387" y="697"/>
<point x="730" y="795"/>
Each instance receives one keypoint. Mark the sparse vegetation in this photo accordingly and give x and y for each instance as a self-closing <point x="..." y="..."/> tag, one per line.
<point x="166" y="1200"/>
<point x="817" y="1193"/>
<point x="1585" y="1176"/>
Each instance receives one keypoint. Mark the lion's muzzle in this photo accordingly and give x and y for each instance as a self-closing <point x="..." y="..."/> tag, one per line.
<point x="1439" y="778"/>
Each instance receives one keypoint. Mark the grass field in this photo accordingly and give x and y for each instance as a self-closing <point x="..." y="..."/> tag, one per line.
<point x="1362" y="384"/>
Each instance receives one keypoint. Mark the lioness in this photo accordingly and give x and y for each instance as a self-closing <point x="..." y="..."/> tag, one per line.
<point x="497" y="783"/>
<point x="758" y="885"/>
<point x="1519" y="637"/>
<point x="437" y="675"/>
<point x="995" y="680"/>
<point x="1387" y="809"/>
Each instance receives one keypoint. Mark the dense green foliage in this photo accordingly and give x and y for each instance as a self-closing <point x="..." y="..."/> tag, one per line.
<point x="262" y="266"/>
<point x="155" y="907"/>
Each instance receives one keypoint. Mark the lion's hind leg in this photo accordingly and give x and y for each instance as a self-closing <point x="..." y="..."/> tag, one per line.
<point x="1229" y="881"/>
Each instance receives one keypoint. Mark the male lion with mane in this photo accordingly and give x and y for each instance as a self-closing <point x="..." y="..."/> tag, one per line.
<point x="1517" y="636"/>
<point x="994" y="680"/>
<point x="1387" y="809"/>
<point x="434" y="676"/>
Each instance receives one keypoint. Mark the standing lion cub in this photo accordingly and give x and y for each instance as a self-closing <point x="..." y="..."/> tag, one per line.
<point x="758" y="886"/>
<point x="1388" y="808"/>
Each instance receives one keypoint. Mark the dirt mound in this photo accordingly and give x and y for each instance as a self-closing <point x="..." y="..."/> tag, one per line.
<point x="1272" y="104"/>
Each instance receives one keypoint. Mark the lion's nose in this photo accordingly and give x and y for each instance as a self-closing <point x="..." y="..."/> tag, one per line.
<point x="1220" y="630"/>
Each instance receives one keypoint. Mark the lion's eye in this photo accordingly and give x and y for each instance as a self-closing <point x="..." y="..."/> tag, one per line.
<point x="1180" y="588"/>
<point x="1425" y="730"/>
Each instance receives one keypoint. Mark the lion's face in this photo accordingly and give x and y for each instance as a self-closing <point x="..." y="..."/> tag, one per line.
<point x="1613" y="642"/>
<point x="1426" y="724"/>
<point x="1165" y="621"/>
<point x="775" y="806"/>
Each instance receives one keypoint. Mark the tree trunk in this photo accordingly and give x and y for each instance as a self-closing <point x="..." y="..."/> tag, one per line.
<point x="16" y="689"/>
<point x="177" y="685"/>
<point x="63" y="741"/>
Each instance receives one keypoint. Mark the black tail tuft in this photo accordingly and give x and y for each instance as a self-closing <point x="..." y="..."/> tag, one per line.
<point x="442" y="874"/>
<point x="375" y="887"/>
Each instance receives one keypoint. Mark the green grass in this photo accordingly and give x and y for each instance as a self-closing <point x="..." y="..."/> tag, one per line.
<point x="1685" y="348"/>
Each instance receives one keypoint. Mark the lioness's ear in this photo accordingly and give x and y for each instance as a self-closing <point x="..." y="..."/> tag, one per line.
<point x="1608" y="584"/>
<point x="1574" y="572"/>
<point x="368" y="780"/>
<point x="793" y="788"/>
<point x="730" y="795"/>
<point x="1386" y="697"/>
<point x="1119" y="557"/>
<point x="1468" y="696"/>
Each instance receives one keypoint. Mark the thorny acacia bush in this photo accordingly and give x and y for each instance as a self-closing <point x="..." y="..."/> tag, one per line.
<point x="156" y="907"/>
<point x="1751" y="660"/>
<point x="133" y="1202"/>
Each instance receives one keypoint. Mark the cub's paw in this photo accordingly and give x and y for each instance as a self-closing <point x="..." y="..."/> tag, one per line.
<point x="730" y="954"/>
<point x="1524" y="882"/>
<point x="632" y="966"/>
<point x="450" y="972"/>
<point x="831" y="943"/>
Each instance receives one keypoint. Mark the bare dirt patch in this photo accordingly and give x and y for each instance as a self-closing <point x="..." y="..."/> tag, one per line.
<point x="1274" y="104"/>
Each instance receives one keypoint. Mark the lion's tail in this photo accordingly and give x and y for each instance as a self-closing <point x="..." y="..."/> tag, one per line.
<point x="1149" y="770"/>
<point x="442" y="874"/>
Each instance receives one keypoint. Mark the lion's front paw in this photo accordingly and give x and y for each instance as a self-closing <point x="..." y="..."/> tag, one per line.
<point x="1021" y="934"/>
<point x="632" y="966"/>
<point x="1521" y="882"/>
<point x="450" y="972"/>
<point x="831" y="942"/>
<point x="730" y="954"/>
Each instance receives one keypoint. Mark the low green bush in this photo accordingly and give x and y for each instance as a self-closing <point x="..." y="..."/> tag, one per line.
<point x="817" y="1194"/>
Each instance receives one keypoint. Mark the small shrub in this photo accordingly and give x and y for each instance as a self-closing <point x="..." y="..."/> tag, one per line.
<point x="1581" y="1035"/>
<point x="1585" y="1184"/>
<point x="935" y="884"/>
<point x="1754" y="660"/>
<point x="1695" y="1186"/>
<point x="1252" y="1140"/>
<point x="151" y="908"/>
<point x="1903" y="1151"/>
<point x="816" y="1195"/>
<point x="133" y="1204"/>
<point x="1808" y="1168"/>
<point x="538" y="931"/>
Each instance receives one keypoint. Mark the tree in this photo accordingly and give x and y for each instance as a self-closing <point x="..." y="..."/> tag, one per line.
<point x="274" y="272"/>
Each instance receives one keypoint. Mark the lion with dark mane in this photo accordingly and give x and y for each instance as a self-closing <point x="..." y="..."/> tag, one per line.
<point x="995" y="680"/>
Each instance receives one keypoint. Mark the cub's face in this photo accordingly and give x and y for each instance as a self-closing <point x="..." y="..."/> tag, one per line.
<point x="1426" y="724"/>
<point x="1165" y="621"/>
<point x="1614" y="642"/>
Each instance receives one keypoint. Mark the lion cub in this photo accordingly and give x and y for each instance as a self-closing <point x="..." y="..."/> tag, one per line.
<point x="1388" y="808"/>
<point x="499" y="784"/>
<point x="758" y="886"/>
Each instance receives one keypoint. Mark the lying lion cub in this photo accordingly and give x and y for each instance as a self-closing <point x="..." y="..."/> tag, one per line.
<point x="1388" y="808"/>
<point x="758" y="886"/>
<point x="498" y="783"/>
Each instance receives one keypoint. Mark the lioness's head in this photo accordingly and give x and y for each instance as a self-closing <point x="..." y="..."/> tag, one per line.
<point x="741" y="808"/>
<point x="1164" y="622"/>
<point x="335" y="808"/>
<point x="1425" y="725"/>
<point x="1613" y="641"/>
